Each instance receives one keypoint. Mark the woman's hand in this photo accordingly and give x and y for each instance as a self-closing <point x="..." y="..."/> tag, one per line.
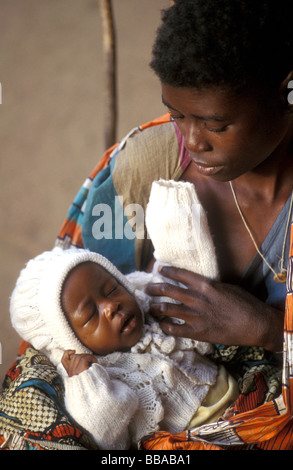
<point x="74" y="364"/>
<point x="215" y="312"/>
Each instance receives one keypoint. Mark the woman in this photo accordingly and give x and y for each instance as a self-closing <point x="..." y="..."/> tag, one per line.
<point x="225" y="68"/>
<point x="225" y="75"/>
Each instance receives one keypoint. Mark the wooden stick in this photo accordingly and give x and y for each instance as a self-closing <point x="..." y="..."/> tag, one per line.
<point x="109" y="58"/>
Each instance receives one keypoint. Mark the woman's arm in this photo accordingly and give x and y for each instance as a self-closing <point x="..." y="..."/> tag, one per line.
<point x="215" y="312"/>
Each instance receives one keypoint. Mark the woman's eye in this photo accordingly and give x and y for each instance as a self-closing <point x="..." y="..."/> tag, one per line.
<point x="216" y="129"/>
<point x="174" y="117"/>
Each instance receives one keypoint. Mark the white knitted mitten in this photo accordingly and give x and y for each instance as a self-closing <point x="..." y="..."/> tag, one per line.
<point x="178" y="228"/>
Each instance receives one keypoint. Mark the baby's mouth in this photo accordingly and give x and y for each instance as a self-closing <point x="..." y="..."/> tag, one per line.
<point x="128" y="322"/>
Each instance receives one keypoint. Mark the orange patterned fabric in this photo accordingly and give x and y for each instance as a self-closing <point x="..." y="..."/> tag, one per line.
<point x="70" y="232"/>
<point x="32" y="414"/>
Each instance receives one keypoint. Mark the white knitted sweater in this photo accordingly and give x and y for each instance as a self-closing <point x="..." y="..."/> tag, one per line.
<point x="159" y="384"/>
<point x="162" y="381"/>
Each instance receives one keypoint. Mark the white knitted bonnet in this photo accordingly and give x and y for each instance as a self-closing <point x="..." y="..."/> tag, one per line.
<point x="35" y="306"/>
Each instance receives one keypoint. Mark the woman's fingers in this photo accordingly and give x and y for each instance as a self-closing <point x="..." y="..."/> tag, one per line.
<point x="173" y="328"/>
<point x="165" y="289"/>
<point x="188" y="278"/>
<point x="194" y="324"/>
<point x="193" y="288"/>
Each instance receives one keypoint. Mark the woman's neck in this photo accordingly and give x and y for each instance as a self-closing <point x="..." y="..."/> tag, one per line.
<point x="273" y="178"/>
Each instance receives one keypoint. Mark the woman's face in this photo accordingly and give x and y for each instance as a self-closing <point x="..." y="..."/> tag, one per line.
<point x="102" y="313"/>
<point x="226" y="135"/>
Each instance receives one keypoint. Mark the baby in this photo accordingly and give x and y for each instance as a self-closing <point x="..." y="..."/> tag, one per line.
<point x="123" y="376"/>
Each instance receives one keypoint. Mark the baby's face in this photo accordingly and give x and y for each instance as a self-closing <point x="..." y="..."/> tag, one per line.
<point x="103" y="314"/>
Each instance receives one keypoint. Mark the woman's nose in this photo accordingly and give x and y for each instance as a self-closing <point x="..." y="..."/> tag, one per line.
<point x="195" y="140"/>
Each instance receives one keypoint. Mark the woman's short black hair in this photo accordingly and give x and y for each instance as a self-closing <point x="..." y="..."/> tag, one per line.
<point x="228" y="43"/>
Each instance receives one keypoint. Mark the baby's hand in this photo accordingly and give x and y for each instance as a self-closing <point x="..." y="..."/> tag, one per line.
<point x="74" y="364"/>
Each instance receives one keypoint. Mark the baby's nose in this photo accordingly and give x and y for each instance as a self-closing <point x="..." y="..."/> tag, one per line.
<point x="110" y="309"/>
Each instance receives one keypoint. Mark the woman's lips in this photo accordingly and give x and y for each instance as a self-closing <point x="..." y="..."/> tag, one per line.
<point x="207" y="170"/>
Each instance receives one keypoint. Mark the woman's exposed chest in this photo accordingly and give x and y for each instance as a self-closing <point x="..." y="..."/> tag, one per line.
<point x="233" y="240"/>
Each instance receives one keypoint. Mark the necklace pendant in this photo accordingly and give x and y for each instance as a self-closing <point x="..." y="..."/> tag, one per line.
<point x="281" y="277"/>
